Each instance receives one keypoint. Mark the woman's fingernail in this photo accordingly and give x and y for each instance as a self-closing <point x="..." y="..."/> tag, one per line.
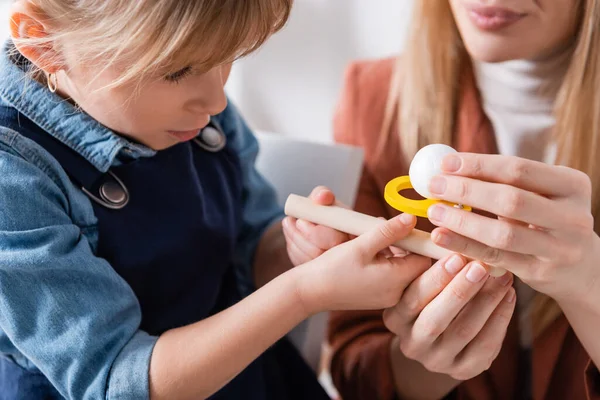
<point x="511" y="296"/>
<point x="437" y="185"/>
<point x="436" y="213"/>
<point x="504" y="279"/>
<point x="441" y="239"/>
<point x="407" y="219"/>
<point x="454" y="264"/>
<point x="476" y="273"/>
<point x="451" y="163"/>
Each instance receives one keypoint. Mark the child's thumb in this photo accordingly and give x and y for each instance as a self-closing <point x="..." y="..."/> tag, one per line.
<point x="386" y="234"/>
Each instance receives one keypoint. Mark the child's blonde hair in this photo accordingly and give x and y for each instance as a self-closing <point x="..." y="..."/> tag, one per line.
<point x="425" y="92"/>
<point x="146" y="37"/>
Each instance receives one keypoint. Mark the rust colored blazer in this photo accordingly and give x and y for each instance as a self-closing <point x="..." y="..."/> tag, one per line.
<point x="361" y="366"/>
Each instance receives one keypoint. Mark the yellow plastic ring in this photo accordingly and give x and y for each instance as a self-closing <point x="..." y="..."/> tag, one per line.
<point x="414" y="207"/>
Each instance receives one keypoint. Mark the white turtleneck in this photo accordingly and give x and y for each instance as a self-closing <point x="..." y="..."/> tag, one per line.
<point x="518" y="97"/>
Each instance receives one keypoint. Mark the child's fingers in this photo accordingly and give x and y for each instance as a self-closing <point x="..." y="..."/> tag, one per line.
<point x="321" y="236"/>
<point x="396" y="251"/>
<point x="387" y="253"/>
<point x="293" y="235"/>
<point x="484" y="348"/>
<point x="392" y="250"/>
<point x="403" y="271"/>
<point x="296" y="255"/>
<point x="385" y="234"/>
<point x="415" y="265"/>
<point x="322" y="195"/>
<point x="473" y="317"/>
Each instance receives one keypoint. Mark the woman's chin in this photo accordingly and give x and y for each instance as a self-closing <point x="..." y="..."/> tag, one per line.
<point x="494" y="51"/>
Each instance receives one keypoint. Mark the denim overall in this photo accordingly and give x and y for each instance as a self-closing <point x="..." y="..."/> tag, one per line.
<point x="192" y="192"/>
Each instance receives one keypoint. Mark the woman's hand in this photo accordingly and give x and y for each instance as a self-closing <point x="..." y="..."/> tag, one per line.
<point x="453" y="318"/>
<point x="546" y="231"/>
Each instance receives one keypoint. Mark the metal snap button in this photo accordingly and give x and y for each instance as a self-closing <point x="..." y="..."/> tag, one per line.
<point x="113" y="193"/>
<point x="212" y="137"/>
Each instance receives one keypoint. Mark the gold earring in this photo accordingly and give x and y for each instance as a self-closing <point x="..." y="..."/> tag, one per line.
<point x="52" y="82"/>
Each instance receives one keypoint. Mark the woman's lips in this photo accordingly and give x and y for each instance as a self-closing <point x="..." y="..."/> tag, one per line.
<point x="493" y="18"/>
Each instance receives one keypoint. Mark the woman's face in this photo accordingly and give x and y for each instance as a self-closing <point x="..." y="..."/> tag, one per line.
<point x="502" y="30"/>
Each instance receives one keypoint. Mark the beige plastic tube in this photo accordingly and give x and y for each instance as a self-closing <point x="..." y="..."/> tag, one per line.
<point x="355" y="223"/>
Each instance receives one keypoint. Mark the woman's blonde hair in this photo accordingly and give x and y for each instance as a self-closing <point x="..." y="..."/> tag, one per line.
<point x="425" y="93"/>
<point x="146" y="37"/>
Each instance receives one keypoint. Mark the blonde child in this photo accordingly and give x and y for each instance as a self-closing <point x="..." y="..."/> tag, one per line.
<point x="133" y="224"/>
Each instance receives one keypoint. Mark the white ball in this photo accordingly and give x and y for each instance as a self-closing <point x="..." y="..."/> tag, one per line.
<point x="425" y="165"/>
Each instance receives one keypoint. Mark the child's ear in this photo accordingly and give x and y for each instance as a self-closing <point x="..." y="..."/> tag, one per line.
<point x="26" y="25"/>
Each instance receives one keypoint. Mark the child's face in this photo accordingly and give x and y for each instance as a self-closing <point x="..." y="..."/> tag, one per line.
<point x="159" y="114"/>
<point x="503" y="30"/>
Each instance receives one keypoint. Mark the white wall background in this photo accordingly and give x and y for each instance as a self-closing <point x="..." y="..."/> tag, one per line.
<point x="4" y="6"/>
<point x="291" y="85"/>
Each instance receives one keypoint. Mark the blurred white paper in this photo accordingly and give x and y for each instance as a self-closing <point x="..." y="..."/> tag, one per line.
<point x="295" y="166"/>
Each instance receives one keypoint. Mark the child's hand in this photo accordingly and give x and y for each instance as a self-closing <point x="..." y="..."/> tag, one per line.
<point x="357" y="275"/>
<point x="453" y="319"/>
<point x="307" y="241"/>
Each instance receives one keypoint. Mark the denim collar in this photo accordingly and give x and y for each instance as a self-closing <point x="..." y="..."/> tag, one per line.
<point x="73" y="127"/>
